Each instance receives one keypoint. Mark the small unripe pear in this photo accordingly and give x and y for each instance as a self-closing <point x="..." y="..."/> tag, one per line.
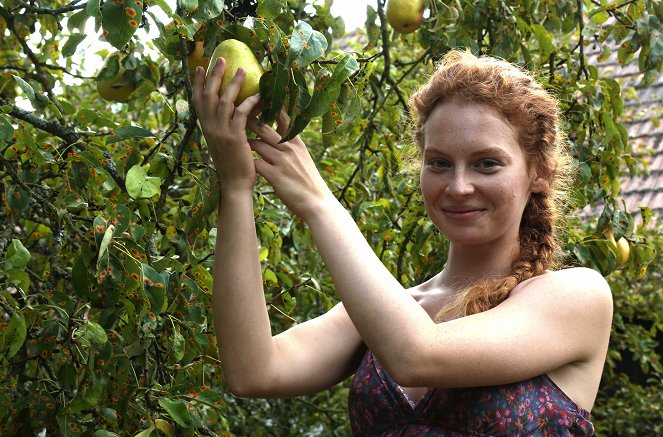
<point x="112" y="89"/>
<point x="405" y="15"/>
<point x="237" y="55"/>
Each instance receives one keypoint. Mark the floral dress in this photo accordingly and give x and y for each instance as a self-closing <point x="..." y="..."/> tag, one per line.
<point x="534" y="407"/>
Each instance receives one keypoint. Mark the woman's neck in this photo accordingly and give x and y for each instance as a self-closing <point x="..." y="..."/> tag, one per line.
<point x="467" y="265"/>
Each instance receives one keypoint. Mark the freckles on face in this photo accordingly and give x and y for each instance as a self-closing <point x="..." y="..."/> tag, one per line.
<point x="475" y="178"/>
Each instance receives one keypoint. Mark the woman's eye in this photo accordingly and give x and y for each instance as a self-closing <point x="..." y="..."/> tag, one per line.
<point x="488" y="164"/>
<point x="438" y="164"/>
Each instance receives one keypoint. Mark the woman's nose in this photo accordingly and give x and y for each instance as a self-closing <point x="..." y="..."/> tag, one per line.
<point x="460" y="183"/>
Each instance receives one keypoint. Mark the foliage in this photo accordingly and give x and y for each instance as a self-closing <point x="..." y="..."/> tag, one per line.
<point x="631" y="395"/>
<point x="109" y="208"/>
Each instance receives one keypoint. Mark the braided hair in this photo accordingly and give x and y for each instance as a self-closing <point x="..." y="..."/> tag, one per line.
<point x="526" y="105"/>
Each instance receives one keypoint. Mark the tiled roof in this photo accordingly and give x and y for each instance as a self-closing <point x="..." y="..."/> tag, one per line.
<point x="643" y="111"/>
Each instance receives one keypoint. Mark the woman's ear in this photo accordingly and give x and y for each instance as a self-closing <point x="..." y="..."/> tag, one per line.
<point x="540" y="181"/>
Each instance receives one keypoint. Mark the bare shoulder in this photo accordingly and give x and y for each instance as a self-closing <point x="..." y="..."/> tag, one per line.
<point x="582" y="281"/>
<point x="576" y="291"/>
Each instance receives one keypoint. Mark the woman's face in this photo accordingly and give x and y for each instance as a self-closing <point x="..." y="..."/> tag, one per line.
<point x="475" y="178"/>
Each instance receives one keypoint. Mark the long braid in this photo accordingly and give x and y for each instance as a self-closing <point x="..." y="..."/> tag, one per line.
<point x="535" y="114"/>
<point x="538" y="253"/>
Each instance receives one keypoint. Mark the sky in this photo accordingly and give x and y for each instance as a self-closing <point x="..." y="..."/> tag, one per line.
<point x="352" y="11"/>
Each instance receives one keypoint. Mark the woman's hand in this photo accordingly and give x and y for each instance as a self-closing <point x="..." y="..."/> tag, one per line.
<point x="224" y="126"/>
<point x="288" y="167"/>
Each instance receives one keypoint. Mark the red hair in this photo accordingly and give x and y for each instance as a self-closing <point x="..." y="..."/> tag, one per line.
<point x="535" y="115"/>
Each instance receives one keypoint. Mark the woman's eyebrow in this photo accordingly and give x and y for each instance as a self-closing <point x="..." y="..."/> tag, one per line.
<point x="488" y="150"/>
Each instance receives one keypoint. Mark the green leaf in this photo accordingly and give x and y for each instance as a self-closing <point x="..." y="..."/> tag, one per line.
<point x="69" y="47"/>
<point x="324" y="95"/>
<point x="140" y="185"/>
<point x="14" y="334"/>
<point x="27" y="89"/>
<point x="209" y="9"/>
<point x="306" y="45"/>
<point x="6" y="130"/>
<point x="544" y="38"/>
<point x="179" y="346"/>
<point x="69" y="427"/>
<point x="124" y="132"/>
<point x="105" y="241"/>
<point x="17" y="255"/>
<point x="155" y="287"/>
<point x="18" y="277"/>
<point x="203" y="278"/>
<point x="345" y="68"/>
<point x="270" y="8"/>
<point x="120" y="20"/>
<point x="93" y="8"/>
<point x="177" y="410"/>
<point x="95" y="334"/>
<point x="189" y="5"/>
<point x="273" y="89"/>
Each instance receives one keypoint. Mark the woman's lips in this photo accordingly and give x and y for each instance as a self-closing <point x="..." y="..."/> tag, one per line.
<point x="463" y="214"/>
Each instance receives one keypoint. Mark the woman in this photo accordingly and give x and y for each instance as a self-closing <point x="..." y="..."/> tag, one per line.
<point x="497" y="343"/>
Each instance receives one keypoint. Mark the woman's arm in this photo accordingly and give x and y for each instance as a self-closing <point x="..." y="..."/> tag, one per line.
<point x="305" y="359"/>
<point x="560" y="320"/>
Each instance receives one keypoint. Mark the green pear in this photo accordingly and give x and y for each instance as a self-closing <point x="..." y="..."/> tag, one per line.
<point x="115" y="89"/>
<point x="237" y="54"/>
<point x="405" y="15"/>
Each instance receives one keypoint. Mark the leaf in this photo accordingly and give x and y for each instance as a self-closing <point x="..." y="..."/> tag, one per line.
<point x="105" y="241"/>
<point x="95" y="334"/>
<point x="270" y="8"/>
<point x="189" y="5"/>
<point x="69" y="427"/>
<point x="6" y="130"/>
<point x="14" y="334"/>
<point x="120" y="20"/>
<point x="344" y="69"/>
<point x="140" y="185"/>
<point x="274" y="88"/>
<point x="17" y="255"/>
<point x="209" y="9"/>
<point x="203" y="278"/>
<point x="27" y="89"/>
<point x="93" y="8"/>
<point x="324" y="95"/>
<point x="177" y="351"/>
<point x="124" y="132"/>
<point x="544" y="38"/>
<point x="306" y="45"/>
<point x="155" y="286"/>
<point x="177" y="410"/>
<point x="121" y="218"/>
<point x="69" y="48"/>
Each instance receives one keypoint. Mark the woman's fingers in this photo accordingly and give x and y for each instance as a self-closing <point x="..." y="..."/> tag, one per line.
<point x="266" y="151"/>
<point x="282" y="122"/>
<point x="214" y="79"/>
<point x="264" y="131"/>
<point x="227" y="100"/>
<point x="197" y="88"/>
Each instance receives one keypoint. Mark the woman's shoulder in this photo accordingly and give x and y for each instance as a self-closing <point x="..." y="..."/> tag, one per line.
<point x="577" y="286"/>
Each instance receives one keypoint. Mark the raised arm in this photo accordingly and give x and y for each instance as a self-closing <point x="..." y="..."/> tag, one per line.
<point x="304" y="359"/>
<point x="552" y="321"/>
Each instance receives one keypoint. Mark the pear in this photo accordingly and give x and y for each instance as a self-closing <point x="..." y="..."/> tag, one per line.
<point x="405" y="15"/>
<point x="622" y="245"/>
<point x="197" y="57"/>
<point x="115" y="89"/>
<point x="237" y="54"/>
<point x="623" y="251"/>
